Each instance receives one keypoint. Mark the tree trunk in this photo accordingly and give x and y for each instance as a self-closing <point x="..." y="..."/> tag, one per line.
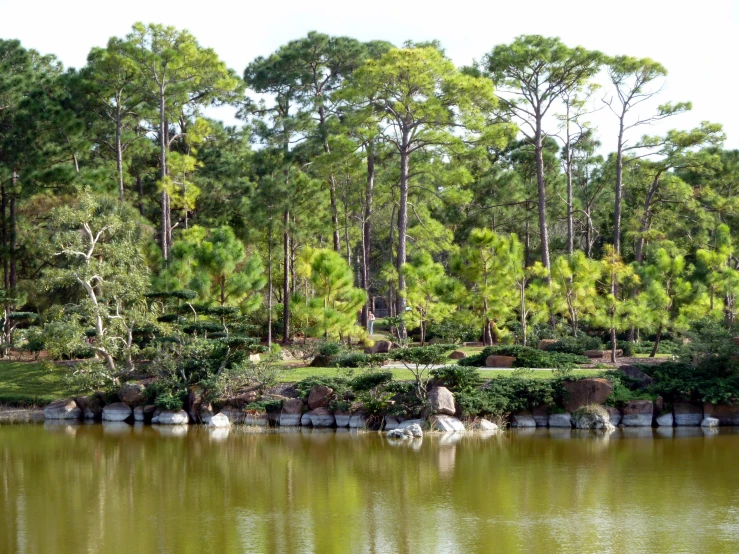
<point x="286" y="280"/>
<point x="119" y="152"/>
<point x="619" y="187"/>
<point x="4" y="230"/>
<point x="613" y="345"/>
<point x="269" y="285"/>
<point x="13" y="238"/>
<point x="570" y="227"/>
<point x="543" y="229"/>
<point x="656" y="342"/>
<point x="402" y="227"/>
<point x="367" y="229"/>
<point x="140" y="189"/>
<point x="165" y="228"/>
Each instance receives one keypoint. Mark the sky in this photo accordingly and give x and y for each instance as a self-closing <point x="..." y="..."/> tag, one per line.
<point x="696" y="41"/>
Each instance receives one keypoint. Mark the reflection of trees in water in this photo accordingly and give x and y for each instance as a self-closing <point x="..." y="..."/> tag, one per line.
<point x="76" y="488"/>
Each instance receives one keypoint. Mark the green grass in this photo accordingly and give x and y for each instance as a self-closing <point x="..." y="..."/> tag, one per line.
<point x="657" y="356"/>
<point x="25" y="383"/>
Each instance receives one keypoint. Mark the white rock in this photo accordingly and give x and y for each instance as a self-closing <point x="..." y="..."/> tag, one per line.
<point x="171" y="417"/>
<point x="523" y="420"/>
<point x="118" y="411"/>
<point x="391" y="423"/>
<point x="709" y="422"/>
<point x="408" y="422"/>
<point x="485" y="425"/>
<point x="289" y="420"/>
<point x="219" y="420"/>
<point x="305" y="419"/>
<point x="665" y="420"/>
<point x="342" y="420"/>
<point x="447" y="424"/>
<point x="321" y="417"/>
<point x="218" y="433"/>
<point x="358" y="421"/>
<point x="560" y="420"/>
<point x="63" y="409"/>
<point x="399" y="434"/>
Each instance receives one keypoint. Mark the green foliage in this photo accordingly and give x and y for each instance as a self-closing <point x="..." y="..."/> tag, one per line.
<point x="503" y="395"/>
<point x="526" y="357"/>
<point x="576" y="345"/>
<point x="456" y="377"/>
<point x="370" y="380"/>
<point x="338" y="384"/>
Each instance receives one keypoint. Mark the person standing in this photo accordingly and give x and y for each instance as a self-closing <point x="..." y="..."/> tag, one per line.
<point x="370" y="322"/>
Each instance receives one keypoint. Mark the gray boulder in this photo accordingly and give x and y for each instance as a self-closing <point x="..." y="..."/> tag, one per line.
<point x="91" y="406"/>
<point x="258" y="419"/>
<point x="63" y="409"/>
<point x="118" y="411"/>
<point x="561" y="420"/>
<point x="173" y="417"/>
<point x="442" y="401"/>
<point x="523" y="419"/>
<point x="614" y="415"/>
<point x="710" y="422"/>
<point x="305" y="419"/>
<point x="412" y="431"/>
<point x="358" y="421"/>
<point x="541" y="416"/>
<point x="391" y="423"/>
<point x="665" y="420"/>
<point x="484" y="425"/>
<point x="593" y="416"/>
<point x="687" y="415"/>
<point x="446" y="424"/>
<point x="638" y="413"/>
<point x="143" y="413"/>
<point x="342" y="419"/>
<point x="132" y="393"/>
<point x="289" y="420"/>
<point x="219" y="420"/>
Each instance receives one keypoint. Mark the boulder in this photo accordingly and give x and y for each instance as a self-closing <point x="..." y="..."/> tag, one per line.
<point x="132" y="393"/>
<point x="260" y="419"/>
<point x="305" y="419"/>
<point x="342" y="419"/>
<point x="118" y="411"/>
<point x="143" y="413"/>
<point x="709" y="422"/>
<point x="319" y="396"/>
<point x="206" y="412"/>
<point x="727" y="414"/>
<point x="391" y="423"/>
<point x="457" y="355"/>
<point x="410" y="422"/>
<point x="636" y="375"/>
<point x="602" y="353"/>
<point x="91" y="406"/>
<point x="560" y="420"/>
<point x="659" y="406"/>
<point x="665" y="420"/>
<point x="446" y="424"/>
<point x="592" y="416"/>
<point x="380" y="347"/>
<point x="484" y="425"/>
<point x="289" y="420"/>
<point x="583" y="392"/>
<point x="523" y="419"/>
<point x="254" y="358"/>
<point x="234" y="415"/>
<point x="544" y="344"/>
<point x="541" y="416"/>
<point x="499" y="361"/>
<point x="173" y="417"/>
<point x="220" y="420"/>
<point x="687" y="414"/>
<point x="242" y="400"/>
<point x="358" y="421"/>
<point x="442" y="401"/>
<point x="194" y="400"/>
<point x="638" y="413"/>
<point x="614" y="415"/>
<point x="155" y="416"/>
<point x="473" y="344"/>
<point x="292" y="406"/>
<point x="63" y="409"/>
<point x="409" y="432"/>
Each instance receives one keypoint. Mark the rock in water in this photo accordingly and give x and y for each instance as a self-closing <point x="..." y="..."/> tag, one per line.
<point x="687" y="415"/>
<point x="321" y="417"/>
<point x="485" y="425"/>
<point x="63" y="409"/>
<point x="342" y="420"/>
<point x="614" y="414"/>
<point x="560" y="420"/>
<point x="584" y="392"/>
<point x="727" y="414"/>
<point x="592" y="416"/>
<point x="358" y="421"/>
<point x="172" y="417"/>
<point x="709" y="422"/>
<point x="442" y="401"/>
<point x="665" y="420"/>
<point x="118" y="411"/>
<point x="219" y="420"/>
<point x="638" y="413"/>
<point x="523" y="419"/>
<point x="446" y="424"/>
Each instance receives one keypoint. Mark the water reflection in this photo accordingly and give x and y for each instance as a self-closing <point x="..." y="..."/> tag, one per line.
<point x="75" y="488"/>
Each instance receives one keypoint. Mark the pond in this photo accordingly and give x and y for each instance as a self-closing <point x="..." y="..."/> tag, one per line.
<point x="117" y="488"/>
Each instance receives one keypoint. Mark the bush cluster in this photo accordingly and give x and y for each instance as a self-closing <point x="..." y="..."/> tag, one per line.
<point x="526" y="357"/>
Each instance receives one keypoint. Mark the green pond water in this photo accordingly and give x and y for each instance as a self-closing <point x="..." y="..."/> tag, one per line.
<point x="117" y="488"/>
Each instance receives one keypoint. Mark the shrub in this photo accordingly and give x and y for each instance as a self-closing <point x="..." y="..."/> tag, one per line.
<point x="169" y="400"/>
<point x="456" y="377"/>
<point x="329" y="349"/>
<point x="263" y="406"/>
<point x="370" y="380"/>
<point x="526" y="357"/>
<point x="575" y="345"/>
<point x="452" y="332"/>
<point x="358" y="359"/>
<point x="339" y="384"/>
<point x="502" y="395"/>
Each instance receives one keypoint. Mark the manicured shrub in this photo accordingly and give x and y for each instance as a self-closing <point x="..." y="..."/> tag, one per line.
<point x="456" y="377"/>
<point x="370" y="380"/>
<point x="575" y="345"/>
<point x="525" y="357"/>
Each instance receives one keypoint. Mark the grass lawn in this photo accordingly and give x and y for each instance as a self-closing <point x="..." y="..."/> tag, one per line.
<point x="668" y="356"/>
<point x="31" y="383"/>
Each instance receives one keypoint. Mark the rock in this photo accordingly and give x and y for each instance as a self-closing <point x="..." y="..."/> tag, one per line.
<point x="358" y="421"/>
<point x="410" y="422"/>
<point x="687" y="414"/>
<point x="636" y="375"/>
<point x="380" y="347"/>
<point x="254" y="358"/>
<point x="220" y="420"/>
<point x="173" y="417"/>
<point x="727" y="414"/>
<point x="659" y="406"/>
<point x="292" y="406"/>
<point x="710" y="422"/>
<point x="457" y="355"/>
<point x="499" y="361"/>
<point x="289" y="420"/>
<point x="63" y="409"/>
<point x="544" y="344"/>
<point x="143" y="413"/>
<point x="541" y="416"/>
<point x="523" y="419"/>
<point x="342" y="419"/>
<point x="391" y="423"/>
<point x="665" y="420"/>
<point x="583" y="392"/>
<point x="614" y="415"/>
<point x="91" y="406"/>
<point x="132" y="393"/>
<point x="414" y="430"/>
<point x="260" y="419"/>
<point x="473" y="344"/>
<point x="399" y="434"/>
<point x="593" y="353"/>
<point x="234" y="415"/>
<point x="638" y="413"/>
<point x="206" y="412"/>
<point x="484" y="425"/>
<point x="319" y="396"/>
<point x="305" y="419"/>
<point x="155" y="416"/>
<point x="322" y="360"/>
<point x="593" y="416"/>
<point x="442" y="401"/>
<point x="118" y="411"/>
<point x="194" y="400"/>
<point x="446" y="424"/>
<point x="561" y="420"/>
<point x="242" y="400"/>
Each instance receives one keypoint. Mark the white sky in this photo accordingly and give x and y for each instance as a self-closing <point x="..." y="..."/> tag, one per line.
<point x="698" y="42"/>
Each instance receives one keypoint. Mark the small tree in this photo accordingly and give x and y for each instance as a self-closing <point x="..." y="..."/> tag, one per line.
<point x="424" y="293"/>
<point x="419" y="361"/>
<point x="574" y="290"/>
